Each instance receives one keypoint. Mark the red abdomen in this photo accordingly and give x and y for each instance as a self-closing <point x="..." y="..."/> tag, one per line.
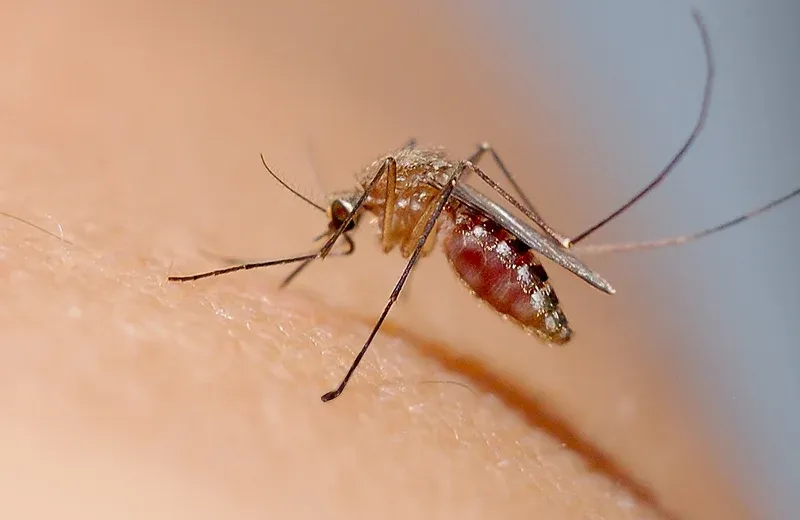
<point x="502" y="271"/>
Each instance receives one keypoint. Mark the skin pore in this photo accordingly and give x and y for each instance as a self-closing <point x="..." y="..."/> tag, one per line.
<point x="138" y="131"/>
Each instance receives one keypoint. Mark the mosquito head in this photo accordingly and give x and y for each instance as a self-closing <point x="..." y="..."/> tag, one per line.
<point x="338" y="211"/>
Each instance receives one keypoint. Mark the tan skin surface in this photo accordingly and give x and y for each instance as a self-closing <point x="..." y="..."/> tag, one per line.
<point x="138" y="131"/>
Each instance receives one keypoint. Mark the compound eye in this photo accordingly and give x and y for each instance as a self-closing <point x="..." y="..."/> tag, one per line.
<point x="340" y="210"/>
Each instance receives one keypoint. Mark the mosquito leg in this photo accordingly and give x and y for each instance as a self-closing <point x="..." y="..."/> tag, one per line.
<point x="476" y="157"/>
<point x="242" y="267"/>
<point x="387" y="237"/>
<point x="443" y="198"/>
<point x="408" y="246"/>
<point x="564" y="241"/>
<point x="388" y="165"/>
<point x="236" y="261"/>
<point x="351" y="247"/>
<point x="297" y="270"/>
<point x="698" y="128"/>
<point x="682" y="239"/>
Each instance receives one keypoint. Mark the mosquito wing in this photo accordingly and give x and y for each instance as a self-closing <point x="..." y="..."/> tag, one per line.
<point x="537" y="241"/>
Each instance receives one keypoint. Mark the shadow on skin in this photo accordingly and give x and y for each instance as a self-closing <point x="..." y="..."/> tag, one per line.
<point x="536" y="413"/>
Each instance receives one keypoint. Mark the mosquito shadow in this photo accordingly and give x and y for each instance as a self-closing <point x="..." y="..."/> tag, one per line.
<point x="536" y="413"/>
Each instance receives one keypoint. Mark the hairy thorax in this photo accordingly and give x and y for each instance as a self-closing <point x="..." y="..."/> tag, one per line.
<point x="413" y="196"/>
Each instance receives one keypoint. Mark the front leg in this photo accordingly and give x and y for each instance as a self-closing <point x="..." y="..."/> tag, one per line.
<point x="387" y="236"/>
<point x="388" y="165"/>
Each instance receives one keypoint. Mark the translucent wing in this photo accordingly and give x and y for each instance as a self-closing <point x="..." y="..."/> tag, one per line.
<point x="536" y="240"/>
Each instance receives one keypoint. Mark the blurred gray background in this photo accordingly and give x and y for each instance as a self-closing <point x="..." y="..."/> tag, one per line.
<point x="634" y="71"/>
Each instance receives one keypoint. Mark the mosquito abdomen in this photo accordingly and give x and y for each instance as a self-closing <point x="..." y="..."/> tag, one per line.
<point x="503" y="271"/>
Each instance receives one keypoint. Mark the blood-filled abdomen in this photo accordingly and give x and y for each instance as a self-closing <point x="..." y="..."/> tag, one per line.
<point x="502" y="271"/>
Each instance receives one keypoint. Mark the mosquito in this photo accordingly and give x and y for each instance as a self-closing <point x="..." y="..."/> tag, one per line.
<point x="419" y="197"/>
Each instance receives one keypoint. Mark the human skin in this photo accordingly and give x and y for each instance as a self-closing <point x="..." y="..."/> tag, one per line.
<point x="129" y="397"/>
